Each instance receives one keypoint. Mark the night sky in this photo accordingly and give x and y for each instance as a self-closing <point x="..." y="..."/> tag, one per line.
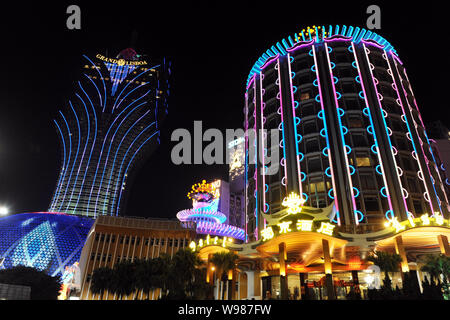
<point x="212" y="48"/>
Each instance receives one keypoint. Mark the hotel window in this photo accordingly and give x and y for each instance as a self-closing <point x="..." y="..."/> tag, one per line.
<point x="406" y="164"/>
<point x="312" y="145"/>
<point x="307" y="110"/>
<point x="363" y="161"/>
<point x="359" y="140"/>
<point x="170" y="244"/>
<point x="309" y="127"/>
<point x="305" y="96"/>
<point x="367" y="182"/>
<point x="162" y="241"/>
<point x="371" y="204"/>
<point x="355" y="122"/>
<point x="275" y="195"/>
<point x="347" y="87"/>
<point x="418" y="206"/>
<point x="413" y="185"/>
<point x="314" y="165"/>
<point x="316" y="187"/>
<point x="351" y="103"/>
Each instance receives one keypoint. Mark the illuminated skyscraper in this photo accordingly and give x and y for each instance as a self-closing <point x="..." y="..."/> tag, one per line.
<point x="107" y="129"/>
<point x="351" y="134"/>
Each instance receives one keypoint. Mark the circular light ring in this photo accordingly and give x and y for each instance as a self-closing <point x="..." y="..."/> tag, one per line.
<point x="361" y="95"/>
<point x="405" y="193"/>
<point x="320" y="114"/>
<point x="280" y="126"/>
<point x="297" y="121"/>
<point x="426" y="196"/>
<point x="315" y="83"/>
<point x="378" y="169"/>
<point x="385" y="114"/>
<point x="263" y="91"/>
<point x="357" y="192"/>
<point x="330" y="49"/>
<point x="328" y="171"/>
<point x="311" y="53"/>
<point x="353" y="170"/>
<point x="366" y="111"/>
<point x="292" y="75"/>
<point x="305" y="197"/>
<point x="414" y="155"/>
<point x="357" y="79"/>
<point x="335" y="219"/>
<point x="341" y="112"/>
<point x="403" y="118"/>
<point x="266" y="207"/>
<point x="189" y="214"/>
<point x="302" y="156"/>
<point x="278" y="96"/>
<point x="373" y="149"/>
<point x="376" y="81"/>
<point x="313" y="68"/>
<point x="291" y="59"/>
<point x="323" y="132"/>
<point x="370" y="129"/>
<point x="394" y="86"/>
<point x="266" y="187"/>
<point x="344" y="128"/>
<point x="347" y="147"/>
<point x="333" y="65"/>
<point x="277" y="82"/>
<point x="283" y="181"/>
<point x="394" y="150"/>
<point x="296" y="104"/>
<point x="354" y="65"/>
<point x="317" y="98"/>
<point x="283" y="162"/>
<point x="215" y="229"/>
<point x="408" y="135"/>
<point x="325" y="152"/>
<point x="279" y="110"/>
<point x="338" y="95"/>
<point x="294" y="89"/>
<point x="281" y="143"/>
<point x="336" y="80"/>
<point x="398" y="102"/>
<point x="420" y="175"/>
<point x="389" y="131"/>
<point x="359" y="213"/>
<point x="329" y="193"/>
<point x="399" y="171"/>
<point x="389" y="215"/>
<point x="350" y="48"/>
<point x="302" y="176"/>
<point x="299" y="137"/>
<point x="383" y="192"/>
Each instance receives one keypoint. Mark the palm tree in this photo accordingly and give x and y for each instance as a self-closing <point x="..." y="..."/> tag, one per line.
<point x="224" y="262"/>
<point x="101" y="280"/>
<point x="124" y="278"/>
<point x="388" y="262"/>
<point x="183" y="266"/>
<point x="437" y="266"/>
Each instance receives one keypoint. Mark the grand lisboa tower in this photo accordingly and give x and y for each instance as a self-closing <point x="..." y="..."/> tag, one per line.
<point x="351" y="134"/>
<point x="107" y="129"/>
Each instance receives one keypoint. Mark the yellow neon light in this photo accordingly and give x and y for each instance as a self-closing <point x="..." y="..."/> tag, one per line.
<point x="267" y="233"/>
<point x="293" y="202"/>
<point x="425" y="219"/>
<point x="438" y="218"/>
<point x="394" y="223"/>
<point x="284" y="226"/>
<point x="304" y="225"/>
<point x="326" y="228"/>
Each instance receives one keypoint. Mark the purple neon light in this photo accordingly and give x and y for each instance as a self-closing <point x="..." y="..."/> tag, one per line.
<point x="299" y="45"/>
<point x="269" y="61"/>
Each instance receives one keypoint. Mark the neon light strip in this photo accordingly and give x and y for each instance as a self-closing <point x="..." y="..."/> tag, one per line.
<point x="96" y="88"/>
<point x="117" y="151"/>
<point x="282" y="125"/>
<point x="103" y="145"/>
<point x="109" y="151"/>
<point x="295" y="126"/>
<point x="383" y="175"/>
<point x="246" y="164"/>
<point x="262" y="145"/>
<point x="61" y="174"/>
<point x="330" y="162"/>
<point x="355" y="208"/>
<point x="92" y="148"/>
<point x="101" y="77"/>
<point x="75" y="159"/>
<point x="256" y="163"/>
<point x="385" y="126"/>
<point x="131" y="81"/>
<point x="126" y="170"/>
<point x="431" y="151"/>
<point x="82" y="156"/>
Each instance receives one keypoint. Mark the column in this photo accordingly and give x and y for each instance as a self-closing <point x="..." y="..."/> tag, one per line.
<point x="250" y="284"/>
<point x="209" y="270"/>
<point x="400" y="250"/>
<point x="328" y="270"/>
<point x="283" y="269"/>
<point x="303" y="286"/>
<point x="443" y="244"/>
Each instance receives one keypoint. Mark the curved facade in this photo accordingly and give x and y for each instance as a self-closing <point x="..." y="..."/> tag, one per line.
<point x="46" y="241"/>
<point x="350" y="132"/>
<point x="107" y="130"/>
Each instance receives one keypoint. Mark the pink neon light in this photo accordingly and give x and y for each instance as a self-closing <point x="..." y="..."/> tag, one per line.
<point x="372" y="42"/>
<point x="337" y="37"/>
<point x="355" y="208"/>
<point x="269" y="61"/>
<point x="324" y="123"/>
<point x="299" y="45"/>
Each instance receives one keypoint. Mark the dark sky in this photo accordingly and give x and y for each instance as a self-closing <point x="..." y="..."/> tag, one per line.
<point x="212" y="48"/>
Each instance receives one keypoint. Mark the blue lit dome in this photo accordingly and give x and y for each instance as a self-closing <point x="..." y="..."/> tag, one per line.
<point x="46" y="241"/>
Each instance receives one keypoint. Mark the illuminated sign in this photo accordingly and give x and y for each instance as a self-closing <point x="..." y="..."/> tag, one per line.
<point x="120" y="62"/>
<point x="209" y="241"/>
<point x="293" y="203"/>
<point x="296" y="225"/>
<point x="423" y="221"/>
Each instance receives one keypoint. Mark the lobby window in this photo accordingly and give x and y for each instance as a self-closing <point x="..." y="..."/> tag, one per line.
<point x="312" y="145"/>
<point x="351" y="104"/>
<point x="359" y="140"/>
<point x="367" y="182"/>
<point x="363" y="161"/>
<point x="314" y="187"/>
<point x="307" y="110"/>
<point x="406" y="164"/>
<point x="310" y="127"/>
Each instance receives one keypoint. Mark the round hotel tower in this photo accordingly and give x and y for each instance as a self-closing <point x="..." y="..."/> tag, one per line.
<point x="351" y="134"/>
<point x="107" y="130"/>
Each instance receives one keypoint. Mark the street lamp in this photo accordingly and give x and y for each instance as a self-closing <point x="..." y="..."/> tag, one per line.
<point x="3" y="211"/>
